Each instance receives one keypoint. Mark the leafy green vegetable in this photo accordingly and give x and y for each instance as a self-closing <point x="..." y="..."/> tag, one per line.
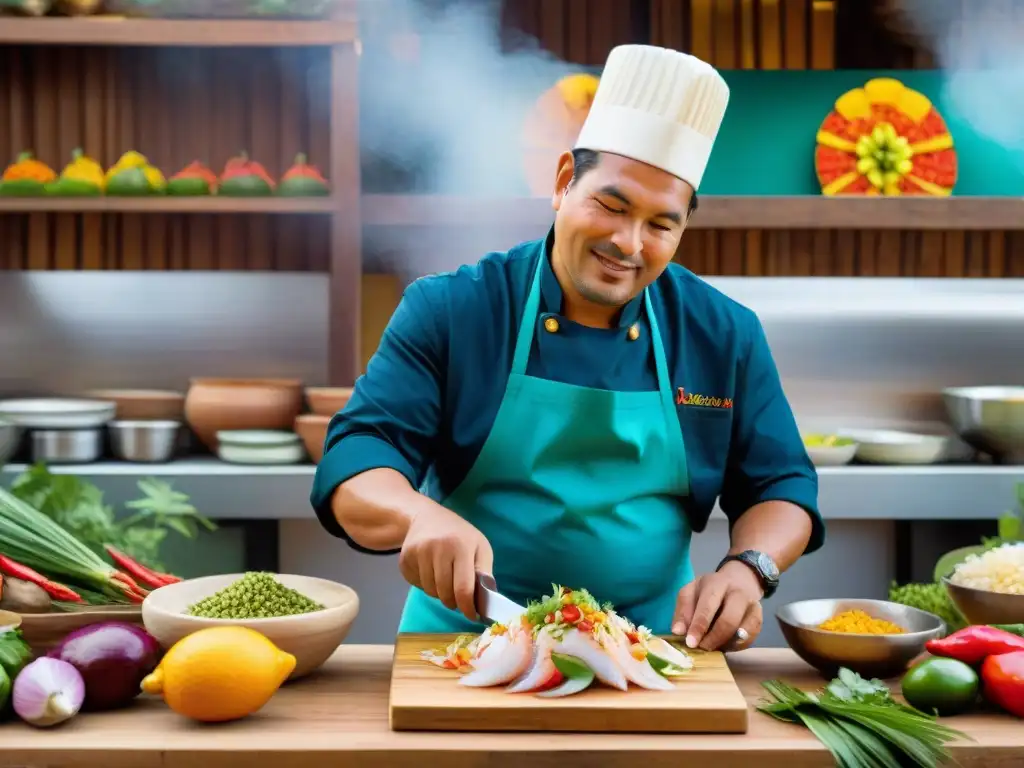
<point x="14" y="652"/>
<point x="860" y="723"/>
<point x="79" y="508"/>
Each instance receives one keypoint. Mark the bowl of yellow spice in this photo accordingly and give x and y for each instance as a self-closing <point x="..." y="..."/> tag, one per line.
<point x="874" y="638"/>
<point x="302" y="615"/>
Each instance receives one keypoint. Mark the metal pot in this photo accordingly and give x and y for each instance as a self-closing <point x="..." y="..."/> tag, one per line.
<point x="144" y="441"/>
<point x="990" y="419"/>
<point x="66" y="446"/>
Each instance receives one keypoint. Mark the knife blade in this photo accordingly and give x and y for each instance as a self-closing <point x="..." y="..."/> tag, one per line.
<point x="492" y="605"/>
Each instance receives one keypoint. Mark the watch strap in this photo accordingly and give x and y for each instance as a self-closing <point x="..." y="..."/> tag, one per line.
<point x="753" y="560"/>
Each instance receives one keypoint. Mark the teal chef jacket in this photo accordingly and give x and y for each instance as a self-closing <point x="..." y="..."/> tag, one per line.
<point x="432" y="391"/>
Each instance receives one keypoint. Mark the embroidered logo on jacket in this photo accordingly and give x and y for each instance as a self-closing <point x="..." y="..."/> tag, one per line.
<point x="703" y="401"/>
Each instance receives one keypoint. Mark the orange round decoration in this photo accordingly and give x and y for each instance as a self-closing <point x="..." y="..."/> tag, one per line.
<point x="885" y="139"/>
<point x="552" y="127"/>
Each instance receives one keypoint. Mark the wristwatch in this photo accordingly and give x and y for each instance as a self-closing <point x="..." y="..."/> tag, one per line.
<point x="761" y="564"/>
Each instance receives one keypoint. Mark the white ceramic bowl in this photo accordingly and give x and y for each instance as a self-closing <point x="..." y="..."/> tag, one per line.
<point x="310" y="637"/>
<point x="831" y="455"/>
<point x="260" y="446"/>
<point x="52" y="413"/>
<point x="884" y="446"/>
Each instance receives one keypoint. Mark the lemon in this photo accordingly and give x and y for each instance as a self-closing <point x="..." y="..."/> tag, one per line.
<point x="220" y="674"/>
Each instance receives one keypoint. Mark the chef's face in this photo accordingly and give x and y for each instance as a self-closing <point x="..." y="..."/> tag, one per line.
<point x="617" y="226"/>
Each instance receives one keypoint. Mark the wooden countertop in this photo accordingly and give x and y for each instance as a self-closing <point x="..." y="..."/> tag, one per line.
<point x="339" y="718"/>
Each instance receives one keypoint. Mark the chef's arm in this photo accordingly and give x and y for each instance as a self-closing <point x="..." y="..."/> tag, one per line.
<point x="770" y="490"/>
<point x="379" y="447"/>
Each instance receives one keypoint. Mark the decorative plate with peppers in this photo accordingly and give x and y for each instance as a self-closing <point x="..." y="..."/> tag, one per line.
<point x="885" y="139"/>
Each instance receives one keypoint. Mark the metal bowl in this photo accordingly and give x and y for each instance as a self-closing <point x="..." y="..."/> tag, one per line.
<point x="144" y="441"/>
<point x="66" y="446"/>
<point x="990" y="419"/>
<point x="10" y="438"/>
<point x="979" y="606"/>
<point x="881" y="656"/>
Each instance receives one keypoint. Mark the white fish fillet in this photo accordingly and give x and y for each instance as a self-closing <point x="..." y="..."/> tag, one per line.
<point x="585" y="648"/>
<point x="505" y="659"/>
<point x="638" y="672"/>
<point x="540" y="670"/>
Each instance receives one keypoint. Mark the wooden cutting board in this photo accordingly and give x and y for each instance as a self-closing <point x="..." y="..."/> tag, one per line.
<point x="425" y="697"/>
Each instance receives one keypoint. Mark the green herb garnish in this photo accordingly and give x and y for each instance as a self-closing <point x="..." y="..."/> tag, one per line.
<point x="538" y="610"/>
<point x="860" y="723"/>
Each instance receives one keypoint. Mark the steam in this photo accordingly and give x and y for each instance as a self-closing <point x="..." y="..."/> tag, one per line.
<point x="981" y="55"/>
<point x="445" y="116"/>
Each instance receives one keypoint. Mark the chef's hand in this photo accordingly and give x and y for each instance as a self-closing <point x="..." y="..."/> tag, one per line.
<point x="722" y="602"/>
<point x="441" y="555"/>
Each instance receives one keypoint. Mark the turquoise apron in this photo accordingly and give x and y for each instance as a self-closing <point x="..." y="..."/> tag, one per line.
<point x="578" y="487"/>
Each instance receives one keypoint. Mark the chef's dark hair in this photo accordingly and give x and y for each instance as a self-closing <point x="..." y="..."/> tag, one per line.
<point x="584" y="160"/>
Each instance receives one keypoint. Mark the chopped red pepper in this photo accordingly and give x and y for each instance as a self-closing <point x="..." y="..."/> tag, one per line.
<point x="571" y="613"/>
<point x="1002" y="679"/>
<point x="140" y="572"/>
<point x="584" y="626"/>
<point x="974" y="644"/>
<point x="57" y="591"/>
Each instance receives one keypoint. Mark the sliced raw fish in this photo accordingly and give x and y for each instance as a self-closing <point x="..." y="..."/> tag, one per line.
<point x="637" y="672"/>
<point x="586" y="649"/>
<point x="505" y="660"/>
<point x="667" y="652"/>
<point x="541" y="669"/>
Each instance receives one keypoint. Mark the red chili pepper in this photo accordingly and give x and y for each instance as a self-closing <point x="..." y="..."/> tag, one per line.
<point x="146" y="575"/>
<point x="53" y="589"/>
<point x="974" y="644"/>
<point x="1002" y="679"/>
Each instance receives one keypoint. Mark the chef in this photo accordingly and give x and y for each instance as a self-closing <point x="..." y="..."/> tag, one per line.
<point x="569" y="411"/>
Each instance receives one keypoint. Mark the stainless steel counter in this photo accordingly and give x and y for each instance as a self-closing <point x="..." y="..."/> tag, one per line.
<point x="229" y="491"/>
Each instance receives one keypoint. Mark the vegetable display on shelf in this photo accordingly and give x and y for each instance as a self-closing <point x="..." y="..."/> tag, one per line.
<point x="303" y="180"/>
<point x="254" y="596"/>
<point x="885" y="139"/>
<point x="243" y="177"/>
<point x="82" y="177"/>
<point x="861" y="724"/>
<point x="195" y="179"/>
<point x="133" y="176"/>
<point x="562" y="644"/>
<point x="26" y="176"/>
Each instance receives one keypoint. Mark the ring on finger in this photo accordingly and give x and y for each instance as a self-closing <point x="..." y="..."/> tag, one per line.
<point x="742" y="635"/>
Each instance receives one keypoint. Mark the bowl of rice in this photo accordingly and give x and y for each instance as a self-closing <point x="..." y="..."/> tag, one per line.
<point x="988" y="588"/>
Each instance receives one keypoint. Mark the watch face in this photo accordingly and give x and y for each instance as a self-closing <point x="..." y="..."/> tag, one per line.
<point x="767" y="566"/>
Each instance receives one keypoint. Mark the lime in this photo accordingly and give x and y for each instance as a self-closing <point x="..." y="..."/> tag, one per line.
<point x="941" y="686"/>
<point x="571" y="667"/>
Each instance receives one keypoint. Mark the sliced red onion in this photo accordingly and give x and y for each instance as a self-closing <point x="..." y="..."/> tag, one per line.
<point x="48" y="692"/>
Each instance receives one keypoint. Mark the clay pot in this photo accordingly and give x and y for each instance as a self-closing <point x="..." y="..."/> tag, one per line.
<point x="312" y="428"/>
<point x="143" y="404"/>
<point x="213" y="405"/>
<point x="327" y="401"/>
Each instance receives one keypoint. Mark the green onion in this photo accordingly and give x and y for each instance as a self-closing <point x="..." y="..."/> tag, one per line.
<point x="861" y="724"/>
<point x="33" y="539"/>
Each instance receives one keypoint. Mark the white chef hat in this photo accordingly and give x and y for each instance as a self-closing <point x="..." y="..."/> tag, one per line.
<point x="658" y="106"/>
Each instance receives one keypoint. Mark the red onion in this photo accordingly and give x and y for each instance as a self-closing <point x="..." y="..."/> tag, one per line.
<point x="112" y="657"/>
<point x="48" y="692"/>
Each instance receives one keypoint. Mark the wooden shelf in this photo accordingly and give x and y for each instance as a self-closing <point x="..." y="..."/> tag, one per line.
<point x="264" y="205"/>
<point x="121" y="31"/>
<point x="719" y="212"/>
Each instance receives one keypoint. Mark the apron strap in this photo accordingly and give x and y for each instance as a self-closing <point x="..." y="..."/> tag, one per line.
<point x="660" y="363"/>
<point x="526" y="329"/>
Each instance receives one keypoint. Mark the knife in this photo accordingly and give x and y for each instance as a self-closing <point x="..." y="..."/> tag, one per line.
<point x="492" y="605"/>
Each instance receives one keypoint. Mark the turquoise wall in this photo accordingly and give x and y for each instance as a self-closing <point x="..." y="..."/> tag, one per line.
<point x="766" y="144"/>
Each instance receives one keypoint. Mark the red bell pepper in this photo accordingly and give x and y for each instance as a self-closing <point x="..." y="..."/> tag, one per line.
<point x="974" y="644"/>
<point x="1002" y="679"/>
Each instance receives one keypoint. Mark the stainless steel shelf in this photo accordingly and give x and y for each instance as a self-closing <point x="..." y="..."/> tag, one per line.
<point x="232" y="491"/>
